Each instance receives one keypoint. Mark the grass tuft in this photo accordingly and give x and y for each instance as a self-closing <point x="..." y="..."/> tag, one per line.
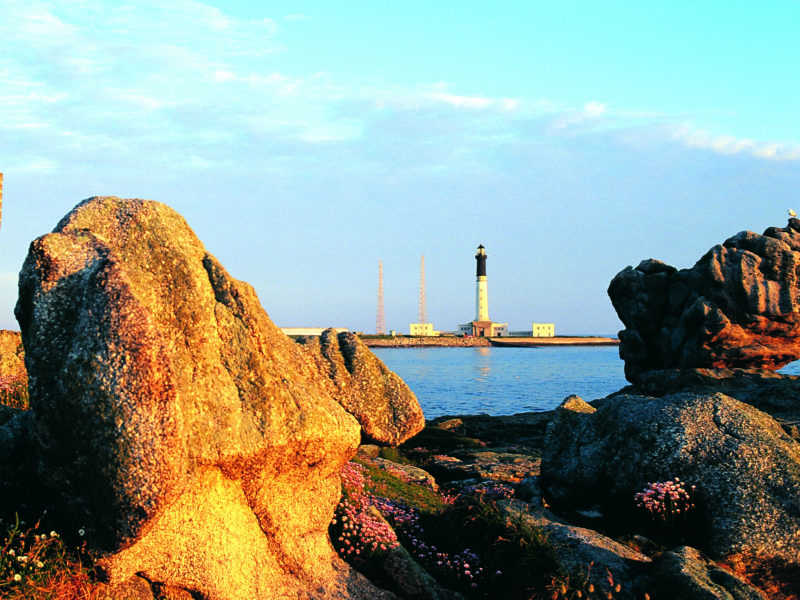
<point x="35" y="564"/>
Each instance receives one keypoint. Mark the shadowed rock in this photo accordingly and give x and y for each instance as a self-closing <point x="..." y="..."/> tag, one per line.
<point x="387" y="410"/>
<point x="686" y="573"/>
<point x="196" y="444"/>
<point x="739" y="306"/>
<point x="745" y="467"/>
<point x="603" y="562"/>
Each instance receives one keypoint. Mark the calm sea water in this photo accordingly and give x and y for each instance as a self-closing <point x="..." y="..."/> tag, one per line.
<point x="504" y="381"/>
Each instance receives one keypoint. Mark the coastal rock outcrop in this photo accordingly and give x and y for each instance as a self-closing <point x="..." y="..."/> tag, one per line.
<point x="12" y="354"/>
<point x="195" y="444"/>
<point x="737" y="307"/>
<point x="386" y="408"/>
<point x="745" y="467"/>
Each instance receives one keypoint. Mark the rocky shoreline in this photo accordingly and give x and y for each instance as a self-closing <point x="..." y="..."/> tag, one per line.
<point x="176" y="434"/>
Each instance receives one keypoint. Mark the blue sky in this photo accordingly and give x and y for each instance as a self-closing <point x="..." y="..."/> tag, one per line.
<point x="305" y="142"/>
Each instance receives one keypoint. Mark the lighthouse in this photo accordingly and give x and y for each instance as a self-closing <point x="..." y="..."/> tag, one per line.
<point x="481" y="287"/>
<point x="482" y="325"/>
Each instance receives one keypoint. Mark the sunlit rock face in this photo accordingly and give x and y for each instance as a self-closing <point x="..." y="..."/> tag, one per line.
<point x="386" y="408"/>
<point x="736" y="308"/>
<point x="12" y="355"/>
<point x="193" y="442"/>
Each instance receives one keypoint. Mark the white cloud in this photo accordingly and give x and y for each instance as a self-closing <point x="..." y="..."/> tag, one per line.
<point x="463" y="101"/>
<point x="594" y="109"/>
<point x="730" y="145"/>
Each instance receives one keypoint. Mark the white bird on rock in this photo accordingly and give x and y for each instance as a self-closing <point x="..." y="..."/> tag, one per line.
<point x="792" y="213"/>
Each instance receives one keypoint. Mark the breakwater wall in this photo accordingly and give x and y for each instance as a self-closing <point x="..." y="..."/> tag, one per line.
<point x="469" y="342"/>
<point x="426" y="342"/>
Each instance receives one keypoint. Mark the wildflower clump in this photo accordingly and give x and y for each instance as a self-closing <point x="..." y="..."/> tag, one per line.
<point x="461" y="569"/>
<point x="36" y="564"/>
<point x="669" y="508"/>
<point x="357" y="530"/>
<point x="667" y="502"/>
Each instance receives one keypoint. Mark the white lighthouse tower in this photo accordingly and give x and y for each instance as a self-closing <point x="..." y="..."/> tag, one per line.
<point x="481" y="287"/>
<point x="482" y="326"/>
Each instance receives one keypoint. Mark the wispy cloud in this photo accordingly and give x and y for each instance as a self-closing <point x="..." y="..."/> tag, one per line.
<point x="728" y="144"/>
<point x="91" y="81"/>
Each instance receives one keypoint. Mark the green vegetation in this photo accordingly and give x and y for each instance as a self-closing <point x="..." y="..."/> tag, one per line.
<point x="386" y="485"/>
<point x="35" y="564"/>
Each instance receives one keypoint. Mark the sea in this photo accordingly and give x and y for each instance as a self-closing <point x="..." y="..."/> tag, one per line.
<point x="504" y="381"/>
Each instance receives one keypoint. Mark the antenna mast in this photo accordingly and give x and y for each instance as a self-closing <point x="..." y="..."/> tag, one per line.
<point x="423" y="310"/>
<point x="380" y="325"/>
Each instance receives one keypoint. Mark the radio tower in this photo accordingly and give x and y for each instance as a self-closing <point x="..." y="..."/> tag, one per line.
<point x="423" y="311"/>
<point x="380" y="325"/>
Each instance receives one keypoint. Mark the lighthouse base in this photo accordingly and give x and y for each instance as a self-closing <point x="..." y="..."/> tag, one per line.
<point x="484" y="329"/>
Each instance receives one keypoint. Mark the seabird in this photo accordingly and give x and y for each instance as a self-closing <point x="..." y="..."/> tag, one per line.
<point x="792" y="213"/>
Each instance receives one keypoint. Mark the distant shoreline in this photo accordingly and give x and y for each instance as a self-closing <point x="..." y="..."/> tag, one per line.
<point x="481" y="342"/>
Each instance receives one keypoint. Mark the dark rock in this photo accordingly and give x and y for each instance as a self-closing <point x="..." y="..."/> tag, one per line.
<point x="687" y="573"/>
<point x="197" y="445"/>
<point x="737" y="307"/>
<point x="523" y="429"/>
<point x="384" y="406"/>
<point x="530" y="491"/>
<point x="20" y="480"/>
<point x="456" y="425"/>
<point x="587" y="554"/>
<point x="504" y="467"/>
<point x="746" y="469"/>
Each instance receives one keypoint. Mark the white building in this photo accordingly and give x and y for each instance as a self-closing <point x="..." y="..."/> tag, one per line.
<point x="543" y="329"/>
<point x="422" y="329"/>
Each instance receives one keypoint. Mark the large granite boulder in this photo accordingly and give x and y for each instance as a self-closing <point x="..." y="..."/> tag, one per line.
<point x="382" y="403"/>
<point x="738" y="306"/>
<point x="745" y="467"/>
<point x="768" y="391"/>
<point x="195" y="444"/>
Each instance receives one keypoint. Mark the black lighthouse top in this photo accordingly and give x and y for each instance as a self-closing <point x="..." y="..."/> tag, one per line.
<point x="481" y="258"/>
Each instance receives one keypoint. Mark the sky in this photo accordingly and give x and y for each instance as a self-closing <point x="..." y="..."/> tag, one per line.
<point x="307" y="141"/>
